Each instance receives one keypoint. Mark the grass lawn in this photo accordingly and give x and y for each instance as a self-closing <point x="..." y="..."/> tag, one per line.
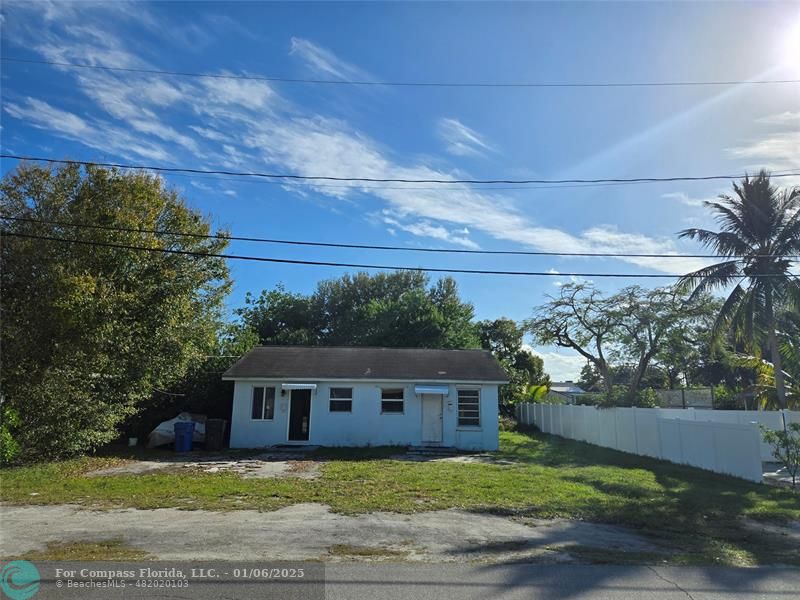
<point x="698" y="512"/>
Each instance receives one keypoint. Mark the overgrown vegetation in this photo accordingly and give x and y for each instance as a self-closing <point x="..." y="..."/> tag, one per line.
<point x="786" y="447"/>
<point x="681" y="336"/>
<point x="535" y="476"/>
<point x="760" y="235"/>
<point x="91" y="330"/>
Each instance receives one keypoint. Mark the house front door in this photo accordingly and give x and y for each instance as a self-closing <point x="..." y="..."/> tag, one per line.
<point x="431" y="419"/>
<point x="299" y="415"/>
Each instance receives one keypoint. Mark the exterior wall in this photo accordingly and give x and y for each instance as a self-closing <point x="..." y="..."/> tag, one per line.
<point x="365" y="425"/>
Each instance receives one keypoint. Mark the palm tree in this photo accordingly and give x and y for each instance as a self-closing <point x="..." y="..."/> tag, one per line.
<point x="760" y="236"/>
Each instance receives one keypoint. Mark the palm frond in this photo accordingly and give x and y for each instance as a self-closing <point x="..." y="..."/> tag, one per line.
<point x="731" y="220"/>
<point x="727" y="312"/>
<point x="725" y="243"/>
<point x="720" y="275"/>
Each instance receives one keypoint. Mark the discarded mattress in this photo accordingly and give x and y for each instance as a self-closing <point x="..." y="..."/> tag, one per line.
<point x="165" y="432"/>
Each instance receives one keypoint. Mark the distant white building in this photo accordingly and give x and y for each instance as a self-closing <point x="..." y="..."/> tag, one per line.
<point x="564" y="392"/>
<point x="365" y="397"/>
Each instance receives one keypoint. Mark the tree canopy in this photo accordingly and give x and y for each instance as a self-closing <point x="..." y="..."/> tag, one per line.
<point x="504" y="338"/>
<point x="88" y="331"/>
<point x="628" y="332"/>
<point x="759" y="234"/>
<point x="386" y="309"/>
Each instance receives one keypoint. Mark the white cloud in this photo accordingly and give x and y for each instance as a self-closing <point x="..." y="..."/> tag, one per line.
<point x="201" y="186"/>
<point x="461" y="140"/>
<point x="261" y="128"/>
<point x="95" y="134"/>
<point x="210" y="134"/>
<point x="428" y="229"/>
<point x="314" y="146"/>
<point x="776" y="151"/>
<point x="44" y="116"/>
<point x="243" y="92"/>
<point x="229" y="193"/>
<point x="325" y="62"/>
<point x="780" y="118"/>
<point x="684" y="198"/>
<point x="563" y="365"/>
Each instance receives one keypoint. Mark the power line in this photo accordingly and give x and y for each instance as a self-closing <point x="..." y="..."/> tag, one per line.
<point x="358" y="265"/>
<point x="372" y="246"/>
<point x="288" y="176"/>
<point x="430" y="84"/>
<point x="406" y="187"/>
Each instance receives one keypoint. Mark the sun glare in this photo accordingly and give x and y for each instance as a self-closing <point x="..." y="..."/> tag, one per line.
<point x="790" y="50"/>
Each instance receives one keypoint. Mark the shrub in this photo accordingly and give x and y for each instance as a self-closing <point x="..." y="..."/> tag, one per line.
<point x="786" y="447"/>
<point x="508" y="424"/>
<point x="9" y="447"/>
<point x="724" y="397"/>
<point x="647" y="398"/>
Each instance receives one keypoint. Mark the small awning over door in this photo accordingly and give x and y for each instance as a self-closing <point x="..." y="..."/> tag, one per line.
<point x="431" y="389"/>
<point x="298" y="386"/>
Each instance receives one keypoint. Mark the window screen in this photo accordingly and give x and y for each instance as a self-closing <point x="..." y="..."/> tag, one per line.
<point x="469" y="408"/>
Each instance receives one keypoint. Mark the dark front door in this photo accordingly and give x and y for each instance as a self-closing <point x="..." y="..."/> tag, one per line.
<point x="299" y="415"/>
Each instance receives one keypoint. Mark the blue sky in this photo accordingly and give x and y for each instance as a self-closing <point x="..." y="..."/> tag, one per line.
<point x="399" y="132"/>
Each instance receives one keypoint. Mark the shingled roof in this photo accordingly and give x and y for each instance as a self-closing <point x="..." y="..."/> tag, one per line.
<point x="416" y="364"/>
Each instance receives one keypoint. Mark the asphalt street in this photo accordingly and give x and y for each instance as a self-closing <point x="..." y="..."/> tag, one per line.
<point x="379" y="580"/>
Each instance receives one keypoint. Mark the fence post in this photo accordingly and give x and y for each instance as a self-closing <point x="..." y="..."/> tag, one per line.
<point x="635" y="431"/>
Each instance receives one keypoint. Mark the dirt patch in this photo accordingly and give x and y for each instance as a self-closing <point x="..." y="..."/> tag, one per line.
<point x="263" y="466"/>
<point x="486" y="459"/>
<point x="309" y="532"/>
<point x="788" y="532"/>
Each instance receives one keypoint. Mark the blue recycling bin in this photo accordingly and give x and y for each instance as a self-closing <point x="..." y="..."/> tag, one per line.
<point x="184" y="431"/>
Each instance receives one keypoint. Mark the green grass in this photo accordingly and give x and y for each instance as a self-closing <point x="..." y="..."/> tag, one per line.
<point x="699" y="512"/>
<point x="103" y="550"/>
<point x="375" y="552"/>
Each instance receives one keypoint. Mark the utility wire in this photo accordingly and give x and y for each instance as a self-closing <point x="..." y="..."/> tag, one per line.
<point x="288" y="176"/>
<point x="359" y="265"/>
<point x="359" y="188"/>
<point x="371" y="246"/>
<point x="432" y="84"/>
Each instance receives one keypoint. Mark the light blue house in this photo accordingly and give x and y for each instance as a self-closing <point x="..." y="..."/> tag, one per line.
<point x="365" y="397"/>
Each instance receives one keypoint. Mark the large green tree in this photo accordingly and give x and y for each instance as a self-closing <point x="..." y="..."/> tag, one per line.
<point x="90" y="330"/>
<point x="386" y="309"/>
<point x="628" y="330"/>
<point x="504" y="338"/>
<point x="759" y="233"/>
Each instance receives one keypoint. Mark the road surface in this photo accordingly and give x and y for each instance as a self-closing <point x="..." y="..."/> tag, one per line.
<point x="406" y="581"/>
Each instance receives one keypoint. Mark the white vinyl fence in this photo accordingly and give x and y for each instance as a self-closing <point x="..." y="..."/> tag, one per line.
<point x="722" y="441"/>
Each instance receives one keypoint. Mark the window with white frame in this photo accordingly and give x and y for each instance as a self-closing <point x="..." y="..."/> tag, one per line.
<point x="263" y="406"/>
<point x="392" y="400"/>
<point x="341" y="399"/>
<point x="469" y="408"/>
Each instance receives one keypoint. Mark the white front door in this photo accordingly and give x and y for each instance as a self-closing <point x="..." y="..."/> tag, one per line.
<point x="431" y="418"/>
